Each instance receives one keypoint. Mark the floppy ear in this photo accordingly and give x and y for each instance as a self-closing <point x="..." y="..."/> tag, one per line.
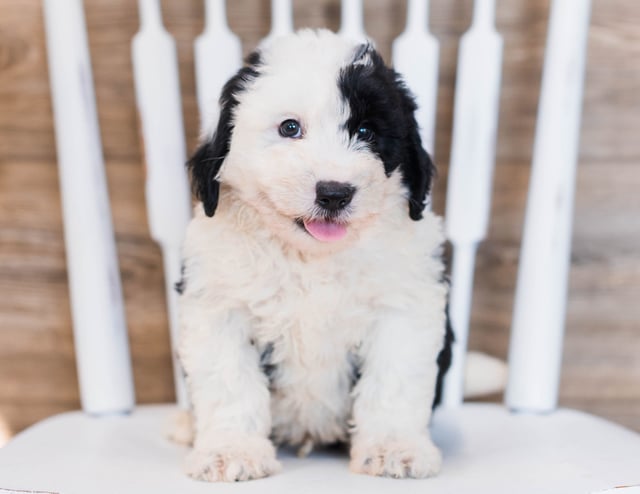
<point x="417" y="168"/>
<point x="418" y="171"/>
<point x="204" y="166"/>
<point x="377" y="96"/>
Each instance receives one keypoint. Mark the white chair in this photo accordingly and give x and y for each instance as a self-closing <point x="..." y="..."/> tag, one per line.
<point x="527" y="446"/>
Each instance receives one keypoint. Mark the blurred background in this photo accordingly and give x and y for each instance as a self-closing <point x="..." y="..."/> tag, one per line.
<point x="601" y="372"/>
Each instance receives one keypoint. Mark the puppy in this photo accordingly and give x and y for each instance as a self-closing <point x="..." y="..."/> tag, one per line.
<point x="313" y="303"/>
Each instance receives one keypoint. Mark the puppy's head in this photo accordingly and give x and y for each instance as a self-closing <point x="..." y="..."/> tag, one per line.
<point x="319" y="137"/>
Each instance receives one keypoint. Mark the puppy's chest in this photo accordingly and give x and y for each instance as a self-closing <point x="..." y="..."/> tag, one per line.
<point x="312" y="313"/>
<point x="309" y="334"/>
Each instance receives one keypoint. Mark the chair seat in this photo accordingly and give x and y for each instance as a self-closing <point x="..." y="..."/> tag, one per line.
<point x="486" y="450"/>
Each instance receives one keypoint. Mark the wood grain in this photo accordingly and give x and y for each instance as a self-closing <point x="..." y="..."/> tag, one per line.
<point x="601" y="372"/>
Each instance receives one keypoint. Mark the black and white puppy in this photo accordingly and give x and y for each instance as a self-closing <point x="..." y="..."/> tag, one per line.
<point x="313" y="306"/>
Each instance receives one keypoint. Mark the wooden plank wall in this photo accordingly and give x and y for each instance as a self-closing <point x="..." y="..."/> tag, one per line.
<point x="601" y="367"/>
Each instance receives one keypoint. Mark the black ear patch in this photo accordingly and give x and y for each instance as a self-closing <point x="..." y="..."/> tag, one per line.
<point x="417" y="171"/>
<point x="379" y="99"/>
<point x="205" y="164"/>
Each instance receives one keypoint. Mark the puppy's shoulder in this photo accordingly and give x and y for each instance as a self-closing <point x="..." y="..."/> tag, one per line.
<point x="429" y="233"/>
<point x="399" y="234"/>
<point x="414" y="249"/>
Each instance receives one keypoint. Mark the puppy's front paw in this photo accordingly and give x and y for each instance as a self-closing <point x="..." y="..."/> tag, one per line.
<point x="245" y="459"/>
<point x="398" y="458"/>
<point x="179" y="428"/>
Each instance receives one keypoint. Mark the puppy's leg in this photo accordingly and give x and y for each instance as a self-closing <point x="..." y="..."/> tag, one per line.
<point x="393" y="400"/>
<point x="229" y="396"/>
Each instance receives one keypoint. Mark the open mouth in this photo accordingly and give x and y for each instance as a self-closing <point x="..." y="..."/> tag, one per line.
<point x="324" y="230"/>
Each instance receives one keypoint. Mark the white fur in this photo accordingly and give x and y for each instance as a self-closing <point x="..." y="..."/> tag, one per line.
<point x="254" y="278"/>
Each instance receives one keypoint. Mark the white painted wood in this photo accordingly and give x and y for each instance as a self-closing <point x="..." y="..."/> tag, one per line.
<point x="155" y="70"/>
<point x="487" y="450"/>
<point x="539" y="314"/>
<point x="281" y="18"/>
<point x="483" y="375"/>
<point x="100" y="334"/>
<point x="352" y="20"/>
<point x="218" y="55"/>
<point x="460" y="296"/>
<point x="475" y="123"/>
<point x="415" y="55"/>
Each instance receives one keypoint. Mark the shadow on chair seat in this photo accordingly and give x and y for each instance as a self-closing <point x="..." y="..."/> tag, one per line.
<point x="486" y="450"/>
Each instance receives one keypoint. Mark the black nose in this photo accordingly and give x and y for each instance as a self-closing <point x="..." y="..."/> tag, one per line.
<point x="333" y="196"/>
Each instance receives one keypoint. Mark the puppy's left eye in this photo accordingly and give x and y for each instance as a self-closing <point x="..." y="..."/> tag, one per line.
<point x="365" y="134"/>
<point x="290" y="128"/>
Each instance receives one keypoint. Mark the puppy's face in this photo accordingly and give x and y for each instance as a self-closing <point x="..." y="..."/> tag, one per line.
<point x="317" y="135"/>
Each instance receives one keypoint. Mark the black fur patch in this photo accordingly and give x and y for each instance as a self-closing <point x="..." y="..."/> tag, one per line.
<point x="181" y="285"/>
<point x="356" y="364"/>
<point x="267" y="366"/>
<point x="205" y="164"/>
<point x="444" y="359"/>
<point x="379" y="100"/>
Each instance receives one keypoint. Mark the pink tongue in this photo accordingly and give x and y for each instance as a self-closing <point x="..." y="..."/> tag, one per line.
<point x="325" y="231"/>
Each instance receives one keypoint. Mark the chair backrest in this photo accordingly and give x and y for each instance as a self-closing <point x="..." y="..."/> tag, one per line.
<point x="103" y="357"/>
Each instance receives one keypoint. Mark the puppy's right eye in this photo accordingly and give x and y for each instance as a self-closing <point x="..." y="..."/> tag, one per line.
<point x="290" y="128"/>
